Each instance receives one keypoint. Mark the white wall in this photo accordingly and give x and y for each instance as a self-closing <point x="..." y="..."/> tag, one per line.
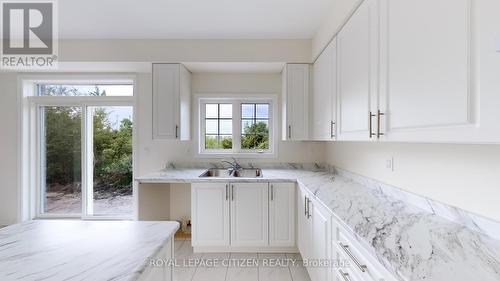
<point x="8" y="149"/>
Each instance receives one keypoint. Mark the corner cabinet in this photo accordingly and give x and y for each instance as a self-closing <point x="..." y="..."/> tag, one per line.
<point x="243" y="216"/>
<point x="295" y="101"/>
<point x="171" y="101"/>
<point x="323" y="107"/>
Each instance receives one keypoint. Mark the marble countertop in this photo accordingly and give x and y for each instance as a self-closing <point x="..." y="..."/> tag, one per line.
<point x="411" y="242"/>
<point x="80" y="250"/>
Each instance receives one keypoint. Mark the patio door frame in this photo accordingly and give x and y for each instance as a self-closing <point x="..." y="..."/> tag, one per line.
<point x="32" y="145"/>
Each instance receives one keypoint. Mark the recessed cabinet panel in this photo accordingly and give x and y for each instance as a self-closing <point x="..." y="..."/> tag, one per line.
<point x="282" y="214"/>
<point x="210" y="214"/>
<point x="324" y="95"/>
<point x="295" y="99"/>
<point x="426" y="62"/>
<point x="249" y="214"/>
<point x="357" y="88"/>
<point x="171" y="101"/>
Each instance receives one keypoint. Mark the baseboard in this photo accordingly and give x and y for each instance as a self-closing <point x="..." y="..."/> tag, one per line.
<point x="4" y="223"/>
<point x="232" y="249"/>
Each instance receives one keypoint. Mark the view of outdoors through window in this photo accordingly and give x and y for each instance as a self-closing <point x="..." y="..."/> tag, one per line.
<point x="62" y="159"/>
<point x="109" y="133"/>
<point x="218" y="126"/>
<point x="254" y="126"/>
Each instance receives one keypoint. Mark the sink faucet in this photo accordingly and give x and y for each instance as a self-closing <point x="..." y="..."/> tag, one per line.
<point x="234" y="166"/>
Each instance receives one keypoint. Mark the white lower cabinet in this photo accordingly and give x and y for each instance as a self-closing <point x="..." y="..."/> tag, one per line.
<point x="314" y="230"/>
<point x="249" y="214"/>
<point x="238" y="216"/>
<point x="282" y="214"/>
<point x="210" y="214"/>
<point x="160" y="273"/>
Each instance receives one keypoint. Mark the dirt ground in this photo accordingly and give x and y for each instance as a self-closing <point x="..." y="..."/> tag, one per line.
<point x="70" y="203"/>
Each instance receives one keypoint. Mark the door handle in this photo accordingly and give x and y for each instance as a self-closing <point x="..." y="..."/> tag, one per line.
<point x="344" y="275"/>
<point x="289" y="131"/>
<point x="176" y="131"/>
<point x="232" y="192"/>
<point x="332" y="134"/>
<point x="370" y="125"/>
<point x="378" y="123"/>
<point x="272" y="192"/>
<point x="305" y="206"/>
<point x="227" y="192"/>
<point x="361" y="267"/>
<point x="308" y="208"/>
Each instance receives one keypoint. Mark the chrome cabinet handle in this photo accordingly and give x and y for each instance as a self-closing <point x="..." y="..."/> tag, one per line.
<point x="308" y="208"/>
<point x="305" y="206"/>
<point x="227" y="192"/>
<point x="370" y="125"/>
<point x="272" y="192"/>
<point x="344" y="275"/>
<point x="232" y="192"/>
<point x="332" y="134"/>
<point x="378" y="124"/>
<point x="176" y="131"/>
<point x="361" y="267"/>
<point x="289" y="131"/>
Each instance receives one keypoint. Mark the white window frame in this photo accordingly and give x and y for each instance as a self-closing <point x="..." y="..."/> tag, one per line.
<point x="31" y="139"/>
<point x="236" y="100"/>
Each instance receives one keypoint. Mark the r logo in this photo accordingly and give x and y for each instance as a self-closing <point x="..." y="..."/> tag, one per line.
<point x="27" y="28"/>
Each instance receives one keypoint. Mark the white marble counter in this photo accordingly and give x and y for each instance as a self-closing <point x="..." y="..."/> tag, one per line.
<point x="412" y="242"/>
<point x="80" y="250"/>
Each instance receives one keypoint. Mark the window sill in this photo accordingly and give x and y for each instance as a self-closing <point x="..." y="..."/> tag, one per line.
<point x="246" y="155"/>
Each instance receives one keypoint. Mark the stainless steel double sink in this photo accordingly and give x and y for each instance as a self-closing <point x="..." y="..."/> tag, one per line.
<point x="226" y="173"/>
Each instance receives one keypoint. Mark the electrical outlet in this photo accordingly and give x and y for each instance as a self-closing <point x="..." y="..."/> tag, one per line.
<point x="389" y="164"/>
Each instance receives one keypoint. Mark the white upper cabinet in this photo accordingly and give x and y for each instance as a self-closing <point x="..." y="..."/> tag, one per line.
<point x="295" y="101"/>
<point x="426" y="88"/>
<point x="171" y="101"/>
<point x="323" y="108"/>
<point x="357" y="74"/>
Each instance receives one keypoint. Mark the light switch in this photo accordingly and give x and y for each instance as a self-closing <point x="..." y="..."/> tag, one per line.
<point x="389" y="164"/>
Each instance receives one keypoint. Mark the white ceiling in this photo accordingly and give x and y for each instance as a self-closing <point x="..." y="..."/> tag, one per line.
<point x="191" y="19"/>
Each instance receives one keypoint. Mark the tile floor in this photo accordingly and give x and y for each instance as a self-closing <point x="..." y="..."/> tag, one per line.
<point x="248" y="272"/>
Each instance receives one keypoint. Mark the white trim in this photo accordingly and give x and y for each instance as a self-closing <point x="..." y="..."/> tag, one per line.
<point x="236" y="100"/>
<point x="28" y="102"/>
<point x="232" y="249"/>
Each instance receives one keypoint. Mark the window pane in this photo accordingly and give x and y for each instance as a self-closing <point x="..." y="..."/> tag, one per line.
<point x="112" y="141"/>
<point x="211" y="127"/>
<point x="211" y="110"/>
<point x="254" y="141"/>
<point x="245" y="126"/>
<point x="226" y="127"/>
<point x="211" y="142"/>
<point x="247" y="110"/>
<point x="85" y="90"/>
<point x="262" y="127"/>
<point x="262" y="111"/>
<point x="61" y="160"/>
<point x="226" y="110"/>
<point x="226" y="142"/>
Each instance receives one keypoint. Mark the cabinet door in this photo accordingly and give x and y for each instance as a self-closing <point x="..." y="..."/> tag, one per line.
<point x="210" y="214"/>
<point x="357" y="73"/>
<point x="166" y="99"/>
<point x="304" y="227"/>
<point x="426" y="69"/>
<point x="282" y="214"/>
<point x="295" y="98"/>
<point x="324" y="95"/>
<point x="249" y="214"/>
<point x="321" y="240"/>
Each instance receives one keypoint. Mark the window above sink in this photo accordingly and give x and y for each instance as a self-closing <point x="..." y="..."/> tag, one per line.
<point x="236" y="125"/>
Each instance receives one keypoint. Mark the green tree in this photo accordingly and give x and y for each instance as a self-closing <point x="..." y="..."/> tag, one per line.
<point x="256" y="136"/>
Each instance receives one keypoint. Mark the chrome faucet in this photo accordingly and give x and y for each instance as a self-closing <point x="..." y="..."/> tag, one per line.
<point x="234" y="166"/>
